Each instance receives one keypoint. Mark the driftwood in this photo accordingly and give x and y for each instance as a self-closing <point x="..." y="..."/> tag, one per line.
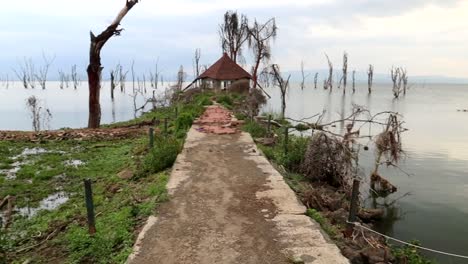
<point x="5" y="201"/>
<point x="368" y="215"/>
<point x="9" y="212"/>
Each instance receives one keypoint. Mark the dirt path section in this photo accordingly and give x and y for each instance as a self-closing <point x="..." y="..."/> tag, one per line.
<point x="228" y="205"/>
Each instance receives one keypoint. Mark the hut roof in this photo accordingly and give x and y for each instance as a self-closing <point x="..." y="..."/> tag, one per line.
<point x="225" y="69"/>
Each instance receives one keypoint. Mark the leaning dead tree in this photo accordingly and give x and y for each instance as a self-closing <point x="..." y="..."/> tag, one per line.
<point x="233" y="33"/>
<point x="44" y="70"/>
<point x="370" y="77"/>
<point x="304" y="76"/>
<point x="95" y="68"/>
<point x="329" y="81"/>
<point x="260" y="36"/>
<point x="283" y="84"/>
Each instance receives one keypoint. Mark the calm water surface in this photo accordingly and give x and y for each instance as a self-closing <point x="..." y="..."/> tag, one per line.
<point x="69" y="107"/>
<point x="435" y="212"/>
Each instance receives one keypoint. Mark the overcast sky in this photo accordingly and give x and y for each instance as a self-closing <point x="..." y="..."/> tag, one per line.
<point x="428" y="37"/>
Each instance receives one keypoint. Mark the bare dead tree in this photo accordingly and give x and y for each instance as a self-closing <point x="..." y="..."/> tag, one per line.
<point x="283" y="84"/>
<point x="62" y="78"/>
<point x="74" y="77"/>
<point x="370" y="78"/>
<point x="260" y="36"/>
<point x="315" y="80"/>
<point x="26" y="73"/>
<point x="154" y="76"/>
<point x="404" y="79"/>
<point x="330" y="74"/>
<point x="345" y="71"/>
<point x="395" y="74"/>
<point x="304" y="76"/>
<point x="354" y="81"/>
<point x="388" y="145"/>
<point x="44" y="70"/>
<point x="233" y="33"/>
<point x="180" y="78"/>
<point x="122" y="77"/>
<point x="40" y="116"/>
<point x="112" y="83"/>
<point x="95" y="68"/>
<point x="196" y="63"/>
<point x="264" y="77"/>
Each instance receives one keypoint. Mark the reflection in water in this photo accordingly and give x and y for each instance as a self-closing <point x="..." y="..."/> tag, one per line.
<point x="437" y="158"/>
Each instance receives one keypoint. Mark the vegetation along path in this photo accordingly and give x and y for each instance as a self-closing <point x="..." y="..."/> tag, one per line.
<point x="229" y="205"/>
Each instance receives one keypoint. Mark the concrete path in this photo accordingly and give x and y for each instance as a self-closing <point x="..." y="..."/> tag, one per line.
<point x="228" y="205"/>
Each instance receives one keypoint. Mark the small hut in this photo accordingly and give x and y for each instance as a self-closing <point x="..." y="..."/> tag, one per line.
<point x="224" y="74"/>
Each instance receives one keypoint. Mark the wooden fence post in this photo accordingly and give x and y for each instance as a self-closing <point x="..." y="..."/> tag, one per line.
<point x="353" y="208"/>
<point x="90" y="207"/>
<point x="151" y="137"/>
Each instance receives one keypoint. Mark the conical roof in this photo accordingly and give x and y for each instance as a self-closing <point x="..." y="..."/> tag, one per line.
<point x="225" y="69"/>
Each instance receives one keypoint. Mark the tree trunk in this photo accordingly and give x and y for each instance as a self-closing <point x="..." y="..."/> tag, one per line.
<point x="94" y="68"/>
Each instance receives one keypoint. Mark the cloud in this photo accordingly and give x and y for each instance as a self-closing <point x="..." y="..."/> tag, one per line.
<point x="426" y="36"/>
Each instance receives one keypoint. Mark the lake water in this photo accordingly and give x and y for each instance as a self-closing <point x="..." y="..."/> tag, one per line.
<point x="69" y="107"/>
<point x="436" y="210"/>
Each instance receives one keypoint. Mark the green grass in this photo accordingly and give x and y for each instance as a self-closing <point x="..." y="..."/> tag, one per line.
<point x="121" y="204"/>
<point x="324" y="223"/>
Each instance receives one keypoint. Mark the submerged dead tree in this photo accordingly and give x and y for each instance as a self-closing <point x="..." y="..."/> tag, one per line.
<point x="260" y="36"/>
<point x="388" y="146"/>
<point x="74" y="77"/>
<point x="233" y="34"/>
<point x="315" y="80"/>
<point x="283" y="84"/>
<point x="370" y="77"/>
<point x="304" y="76"/>
<point x="329" y="82"/>
<point x="44" y="71"/>
<point x="345" y="71"/>
<point x="95" y="68"/>
<point x="40" y="116"/>
<point x="354" y="81"/>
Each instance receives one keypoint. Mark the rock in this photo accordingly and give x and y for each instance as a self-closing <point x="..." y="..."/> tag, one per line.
<point x="376" y="255"/>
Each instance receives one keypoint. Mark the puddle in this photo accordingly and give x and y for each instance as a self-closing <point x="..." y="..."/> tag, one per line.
<point x="16" y="166"/>
<point x="11" y="173"/>
<point x="50" y="203"/>
<point x="74" y="163"/>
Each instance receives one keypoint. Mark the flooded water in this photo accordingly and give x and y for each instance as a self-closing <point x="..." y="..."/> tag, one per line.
<point x="434" y="204"/>
<point x="50" y="203"/>
<point x="69" y="107"/>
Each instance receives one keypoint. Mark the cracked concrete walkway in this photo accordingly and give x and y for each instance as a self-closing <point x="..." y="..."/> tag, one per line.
<point x="229" y="205"/>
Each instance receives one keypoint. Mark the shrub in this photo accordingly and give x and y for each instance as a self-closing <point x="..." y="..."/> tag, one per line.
<point x="297" y="147"/>
<point x="184" y="122"/>
<point x="409" y="254"/>
<point x="255" y="129"/>
<point x="161" y="157"/>
<point x="225" y="100"/>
